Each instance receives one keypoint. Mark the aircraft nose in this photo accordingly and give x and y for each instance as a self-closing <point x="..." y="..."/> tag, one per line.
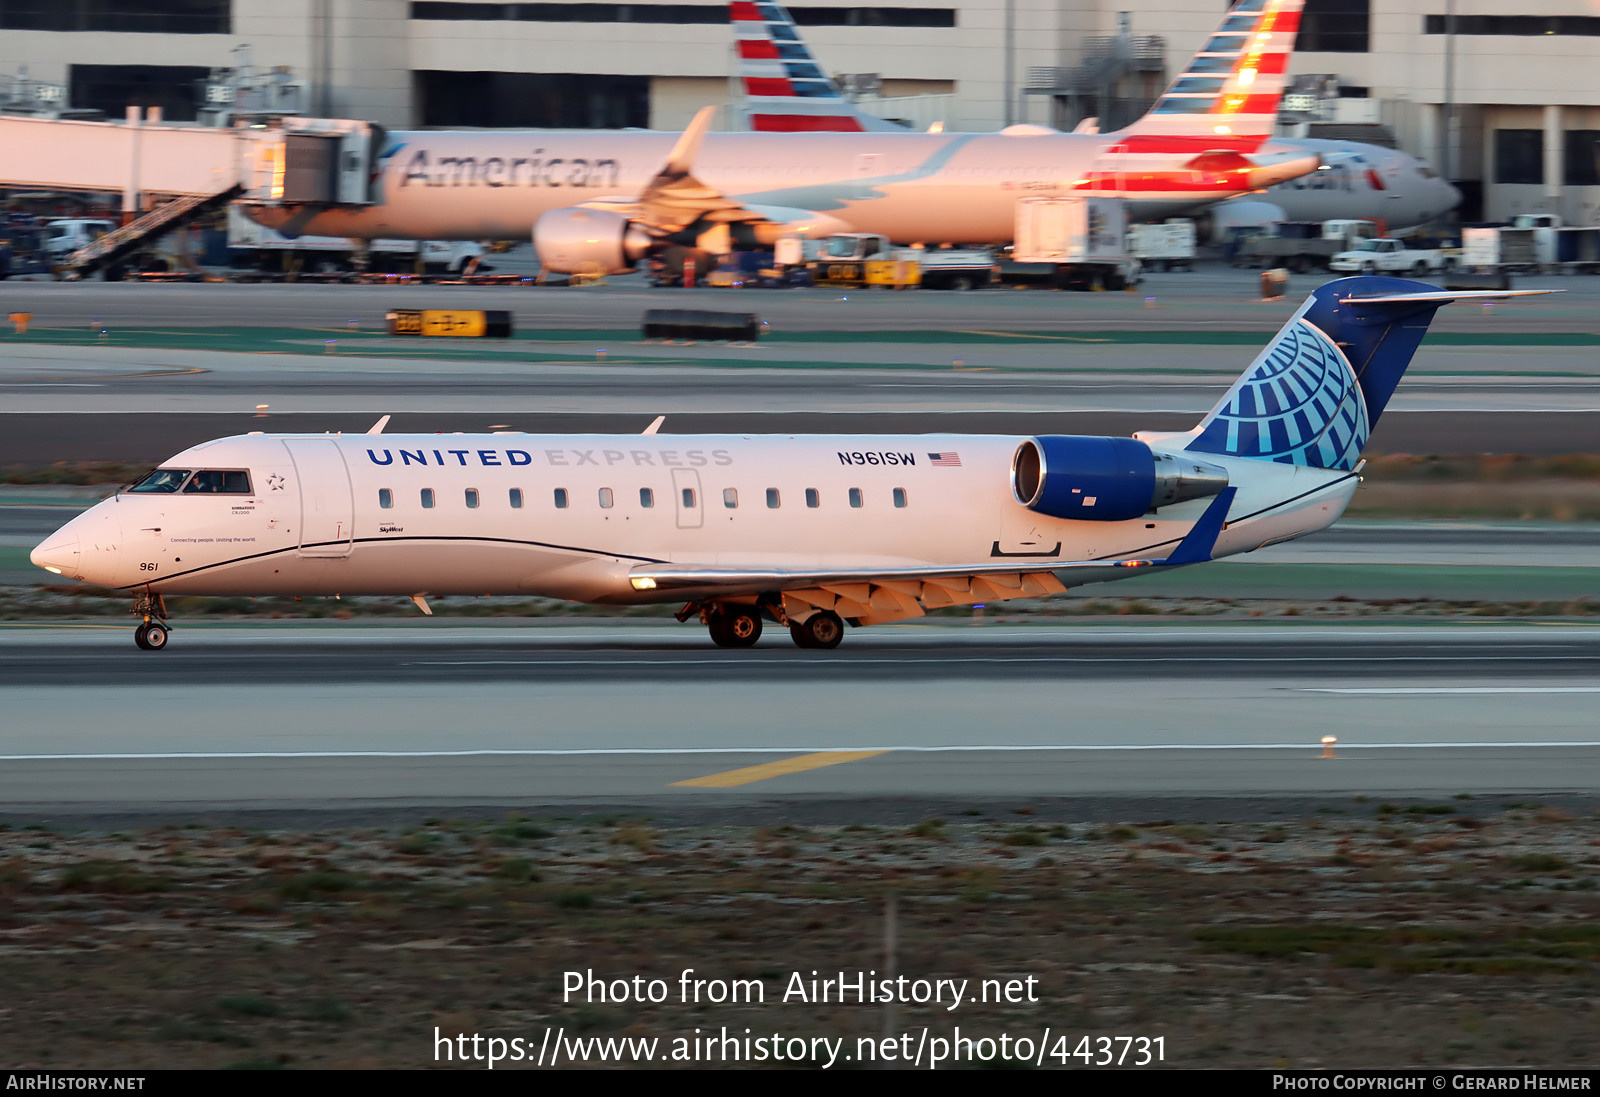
<point x="58" y="553"/>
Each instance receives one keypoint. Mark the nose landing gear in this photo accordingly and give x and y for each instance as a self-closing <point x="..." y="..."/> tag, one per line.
<point x="151" y="635"/>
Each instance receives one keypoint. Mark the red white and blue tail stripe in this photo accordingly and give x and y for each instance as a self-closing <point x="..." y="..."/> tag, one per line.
<point x="785" y="90"/>
<point x="1228" y="97"/>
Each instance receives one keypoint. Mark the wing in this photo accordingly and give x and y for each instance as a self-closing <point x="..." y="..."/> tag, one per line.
<point x="674" y="199"/>
<point x="877" y="594"/>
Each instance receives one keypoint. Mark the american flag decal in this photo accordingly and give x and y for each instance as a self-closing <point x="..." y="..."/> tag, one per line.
<point x="949" y="459"/>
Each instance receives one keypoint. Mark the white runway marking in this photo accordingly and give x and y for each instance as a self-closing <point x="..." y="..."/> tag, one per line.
<point x="850" y="748"/>
<point x="1389" y="691"/>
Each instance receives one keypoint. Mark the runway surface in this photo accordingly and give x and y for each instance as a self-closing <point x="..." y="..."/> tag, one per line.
<point x="348" y="715"/>
<point x="1213" y="296"/>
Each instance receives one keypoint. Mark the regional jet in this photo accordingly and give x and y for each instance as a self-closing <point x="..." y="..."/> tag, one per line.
<point x="809" y="532"/>
<point x="601" y="201"/>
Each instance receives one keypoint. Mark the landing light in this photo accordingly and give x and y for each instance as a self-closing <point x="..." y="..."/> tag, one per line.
<point x="51" y="570"/>
<point x="643" y="582"/>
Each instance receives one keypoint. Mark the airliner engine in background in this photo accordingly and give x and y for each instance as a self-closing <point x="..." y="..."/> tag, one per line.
<point x="807" y="531"/>
<point x="600" y="201"/>
<point x="786" y="90"/>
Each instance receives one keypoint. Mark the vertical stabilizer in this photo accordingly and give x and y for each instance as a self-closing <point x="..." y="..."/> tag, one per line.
<point x="1314" y="394"/>
<point x="1228" y="96"/>
<point x="785" y="90"/>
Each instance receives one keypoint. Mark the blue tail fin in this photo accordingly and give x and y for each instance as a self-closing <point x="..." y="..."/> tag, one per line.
<point x="1314" y="394"/>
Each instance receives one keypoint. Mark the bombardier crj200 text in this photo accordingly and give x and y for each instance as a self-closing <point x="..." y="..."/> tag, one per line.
<point x="601" y="201"/>
<point x="809" y="531"/>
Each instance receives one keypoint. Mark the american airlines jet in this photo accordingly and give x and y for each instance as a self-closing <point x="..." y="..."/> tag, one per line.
<point x="600" y="201"/>
<point x="810" y="532"/>
<point x="787" y="91"/>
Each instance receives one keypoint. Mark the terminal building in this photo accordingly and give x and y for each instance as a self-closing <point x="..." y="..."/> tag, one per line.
<point x="1507" y="106"/>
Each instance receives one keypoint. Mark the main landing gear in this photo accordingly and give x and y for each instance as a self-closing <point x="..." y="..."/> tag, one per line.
<point x="822" y="629"/>
<point x="151" y="635"/>
<point x="739" y="626"/>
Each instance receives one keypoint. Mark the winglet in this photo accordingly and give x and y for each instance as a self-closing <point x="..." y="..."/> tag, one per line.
<point x="1202" y="537"/>
<point x="688" y="146"/>
<point x="377" y="428"/>
<point x="655" y="425"/>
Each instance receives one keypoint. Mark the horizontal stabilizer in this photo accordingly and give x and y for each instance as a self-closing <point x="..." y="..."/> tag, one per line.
<point x="1443" y="296"/>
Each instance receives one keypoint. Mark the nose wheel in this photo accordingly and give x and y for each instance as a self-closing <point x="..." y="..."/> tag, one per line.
<point x="152" y="633"/>
<point x="822" y="629"/>
<point x="151" y="636"/>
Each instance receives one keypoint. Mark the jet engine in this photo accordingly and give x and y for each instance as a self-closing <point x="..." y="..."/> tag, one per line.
<point x="1216" y="224"/>
<point x="1106" y="479"/>
<point x="587" y="241"/>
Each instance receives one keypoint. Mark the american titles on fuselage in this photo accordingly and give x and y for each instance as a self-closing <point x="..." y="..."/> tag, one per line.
<point x="537" y="170"/>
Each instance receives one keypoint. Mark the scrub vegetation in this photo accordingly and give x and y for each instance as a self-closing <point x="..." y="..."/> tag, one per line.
<point x="1353" y="934"/>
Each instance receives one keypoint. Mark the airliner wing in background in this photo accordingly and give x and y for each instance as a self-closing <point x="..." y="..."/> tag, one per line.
<point x="675" y="199"/>
<point x="877" y="594"/>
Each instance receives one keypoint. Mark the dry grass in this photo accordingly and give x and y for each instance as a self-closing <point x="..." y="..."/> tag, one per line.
<point x="1375" y="935"/>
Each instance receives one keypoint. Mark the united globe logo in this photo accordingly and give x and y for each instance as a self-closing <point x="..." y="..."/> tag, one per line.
<point x="1300" y="405"/>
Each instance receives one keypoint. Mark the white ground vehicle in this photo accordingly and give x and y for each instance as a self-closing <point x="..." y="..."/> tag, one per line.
<point x="1302" y="245"/>
<point x="1165" y="246"/>
<point x="1085" y="238"/>
<point x="1387" y="255"/>
<point x="69" y="234"/>
<point x="266" y="249"/>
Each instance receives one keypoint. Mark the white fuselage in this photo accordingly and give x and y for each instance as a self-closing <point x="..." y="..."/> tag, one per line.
<point x="910" y="187"/>
<point x="351" y="514"/>
<point x="1363" y="182"/>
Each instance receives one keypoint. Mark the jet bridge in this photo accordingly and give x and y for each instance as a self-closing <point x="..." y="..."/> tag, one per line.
<point x="293" y="161"/>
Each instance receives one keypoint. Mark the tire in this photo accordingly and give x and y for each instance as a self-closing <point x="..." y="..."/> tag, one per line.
<point x="1299" y="264"/>
<point x="1419" y="269"/>
<point x="959" y="283"/>
<point x="1369" y="268"/>
<point x="735" y="627"/>
<point x="823" y="630"/>
<point x="151" y="636"/>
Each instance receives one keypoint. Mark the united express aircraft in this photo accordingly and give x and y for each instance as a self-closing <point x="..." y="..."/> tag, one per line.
<point x="600" y="201"/>
<point x="810" y="532"/>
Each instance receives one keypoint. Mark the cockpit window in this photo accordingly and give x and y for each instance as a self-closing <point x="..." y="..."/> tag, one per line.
<point x="162" y="480"/>
<point x="218" y="482"/>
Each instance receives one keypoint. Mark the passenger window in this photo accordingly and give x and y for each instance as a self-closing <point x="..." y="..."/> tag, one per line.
<point x="561" y="498"/>
<point x="385" y="498"/>
<point x="813" y="497"/>
<point x="215" y="482"/>
<point x="855" y="497"/>
<point x="773" y="500"/>
<point x="606" y="498"/>
<point x="472" y="498"/>
<point x="162" y="480"/>
<point x="899" y="497"/>
<point x="647" y="497"/>
<point x="427" y="498"/>
<point x="730" y="497"/>
<point x="688" y="498"/>
<point x="516" y="498"/>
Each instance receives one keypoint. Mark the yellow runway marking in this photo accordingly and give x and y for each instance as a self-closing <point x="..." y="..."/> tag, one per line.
<point x="768" y="770"/>
<point x="1032" y="335"/>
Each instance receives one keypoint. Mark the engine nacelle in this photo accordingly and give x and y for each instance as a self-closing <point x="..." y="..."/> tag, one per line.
<point x="1106" y="479"/>
<point x="1216" y="224"/>
<point x="588" y="241"/>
